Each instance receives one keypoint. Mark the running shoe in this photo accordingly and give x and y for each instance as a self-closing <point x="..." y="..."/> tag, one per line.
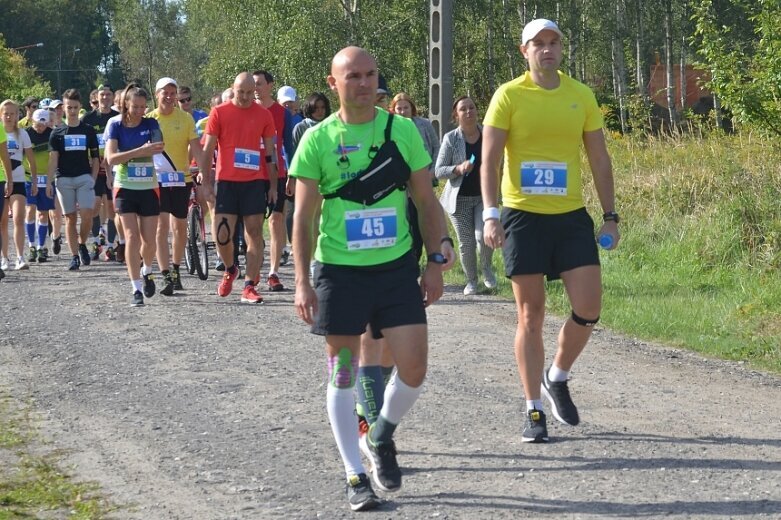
<point x="385" y="470"/>
<point x="562" y="407"/>
<point x="274" y="285"/>
<point x="250" y="295"/>
<point x="285" y="257"/>
<point x="43" y="255"/>
<point x="168" y="284"/>
<point x="109" y="256"/>
<point x="5" y="263"/>
<point x="226" y="285"/>
<point x="33" y="256"/>
<point x="84" y="254"/>
<point x="101" y="239"/>
<point x="149" y="285"/>
<point x="57" y="245"/>
<point x="74" y="263"/>
<point x="95" y="253"/>
<point x="489" y="280"/>
<point x="363" y="426"/>
<point x="177" y="279"/>
<point x="138" y="299"/>
<point x="2" y="274"/>
<point x="535" y="430"/>
<point x="360" y="494"/>
<point x="21" y="265"/>
<point x="470" y="289"/>
<point x="219" y="266"/>
<point x="119" y="253"/>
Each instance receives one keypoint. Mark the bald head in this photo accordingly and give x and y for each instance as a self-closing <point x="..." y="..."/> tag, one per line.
<point x="244" y="90"/>
<point x="348" y="55"/>
<point x="354" y="78"/>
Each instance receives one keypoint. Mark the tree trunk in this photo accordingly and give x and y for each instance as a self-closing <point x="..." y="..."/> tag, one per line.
<point x="490" y="37"/>
<point x="682" y="71"/>
<point x="507" y="39"/>
<point x="668" y="44"/>
<point x="619" y="66"/>
<point x="642" y="87"/>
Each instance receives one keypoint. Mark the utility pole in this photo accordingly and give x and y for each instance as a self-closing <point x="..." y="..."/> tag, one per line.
<point x="441" y="68"/>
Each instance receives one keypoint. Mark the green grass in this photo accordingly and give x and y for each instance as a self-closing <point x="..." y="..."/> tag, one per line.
<point x="31" y="483"/>
<point x="699" y="261"/>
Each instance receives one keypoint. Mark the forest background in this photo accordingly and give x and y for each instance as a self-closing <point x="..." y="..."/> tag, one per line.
<point x="699" y="262"/>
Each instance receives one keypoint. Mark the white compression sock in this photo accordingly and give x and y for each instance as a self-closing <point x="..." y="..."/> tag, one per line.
<point x="344" y="425"/>
<point x="399" y="398"/>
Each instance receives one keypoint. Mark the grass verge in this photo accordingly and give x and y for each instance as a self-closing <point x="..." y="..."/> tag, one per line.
<point x="31" y="484"/>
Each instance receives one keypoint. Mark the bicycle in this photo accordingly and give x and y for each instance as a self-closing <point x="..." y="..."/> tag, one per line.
<point x="196" y="252"/>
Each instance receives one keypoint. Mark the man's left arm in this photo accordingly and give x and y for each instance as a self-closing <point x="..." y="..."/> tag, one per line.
<point x="433" y="228"/>
<point x="602" y="172"/>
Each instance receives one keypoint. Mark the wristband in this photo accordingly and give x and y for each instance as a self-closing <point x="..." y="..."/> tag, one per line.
<point x="448" y="240"/>
<point x="490" y="213"/>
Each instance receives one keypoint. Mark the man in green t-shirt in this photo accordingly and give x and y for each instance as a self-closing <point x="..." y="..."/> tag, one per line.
<point x="366" y="272"/>
<point x="538" y="122"/>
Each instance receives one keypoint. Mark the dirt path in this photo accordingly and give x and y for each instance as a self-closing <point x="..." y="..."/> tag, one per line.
<point x="197" y="407"/>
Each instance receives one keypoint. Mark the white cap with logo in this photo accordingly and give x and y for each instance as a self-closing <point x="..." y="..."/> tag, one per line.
<point x="41" y="116"/>
<point x="534" y="28"/>
<point x="164" y="82"/>
<point x="286" y="93"/>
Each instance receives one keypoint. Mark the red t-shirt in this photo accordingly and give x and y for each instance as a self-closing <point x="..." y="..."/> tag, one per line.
<point x="239" y="133"/>
<point x="278" y="113"/>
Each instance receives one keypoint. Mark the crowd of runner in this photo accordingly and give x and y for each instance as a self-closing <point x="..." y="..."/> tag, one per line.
<point x="353" y="191"/>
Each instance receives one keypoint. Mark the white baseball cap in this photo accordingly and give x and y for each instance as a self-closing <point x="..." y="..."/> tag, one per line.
<point x="534" y="28"/>
<point x="41" y="116"/>
<point x="164" y="82"/>
<point x="286" y="93"/>
<point x="55" y="103"/>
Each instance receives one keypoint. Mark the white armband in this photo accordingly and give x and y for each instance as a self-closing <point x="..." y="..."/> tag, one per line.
<point x="490" y="213"/>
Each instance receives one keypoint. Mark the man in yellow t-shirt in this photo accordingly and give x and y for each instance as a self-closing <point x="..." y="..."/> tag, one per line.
<point x="173" y="173"/>
<point x="538" y="121"/>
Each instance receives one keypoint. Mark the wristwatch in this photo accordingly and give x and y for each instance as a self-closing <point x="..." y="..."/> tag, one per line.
<point x="611" y="215"/>
<point x="437" y="258"/>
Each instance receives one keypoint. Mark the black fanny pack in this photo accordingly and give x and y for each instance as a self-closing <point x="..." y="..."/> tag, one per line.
<point x="388" y="171"/>
<point x="15" y="164"/>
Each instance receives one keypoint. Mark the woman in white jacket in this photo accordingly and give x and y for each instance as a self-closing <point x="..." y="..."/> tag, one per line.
<point x="459" y="162"/>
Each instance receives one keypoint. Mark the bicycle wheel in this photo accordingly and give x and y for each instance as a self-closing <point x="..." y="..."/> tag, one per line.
<point x="202" y="266"/>
<point x="193" y="240"/>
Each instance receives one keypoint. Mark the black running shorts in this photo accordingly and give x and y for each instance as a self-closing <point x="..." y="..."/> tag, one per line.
<point x="144" y="203"/>
<point x="175" y="199"/>
<point x="241" y="198"/>
<point x="547" y="244"/>
<point x="384" y="296"/>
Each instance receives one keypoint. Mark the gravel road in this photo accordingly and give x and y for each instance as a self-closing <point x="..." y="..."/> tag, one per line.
<point x="198" y="407"/>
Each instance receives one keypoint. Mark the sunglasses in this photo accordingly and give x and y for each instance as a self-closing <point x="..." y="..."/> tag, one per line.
<point x="94" y="102"/>
<point x="186" y="100"/>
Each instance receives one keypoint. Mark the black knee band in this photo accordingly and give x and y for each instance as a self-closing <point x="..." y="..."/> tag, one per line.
<point x="220" y="226"/>
<point x="584" y="322"/>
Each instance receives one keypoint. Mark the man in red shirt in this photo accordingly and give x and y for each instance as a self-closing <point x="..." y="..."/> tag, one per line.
<point x="264" y="86"/>
<point x="245" y="133"/>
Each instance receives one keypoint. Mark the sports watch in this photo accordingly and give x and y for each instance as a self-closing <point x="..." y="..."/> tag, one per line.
<point x="610" y="215"/>
<point x="437" y="258"/>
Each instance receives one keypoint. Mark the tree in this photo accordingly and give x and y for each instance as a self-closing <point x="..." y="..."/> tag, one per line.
<point x="17" y="80"/>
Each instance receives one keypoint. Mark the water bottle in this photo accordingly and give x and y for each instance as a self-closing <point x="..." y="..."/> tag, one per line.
<point x="605" y="241"/>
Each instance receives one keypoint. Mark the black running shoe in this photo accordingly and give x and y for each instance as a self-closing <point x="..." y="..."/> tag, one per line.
<point x="177" y="279"/>
<point x="562" y="407"/>
<point x="57" y="245"/>
<point x="535" y="430"/>
<point x="220" y="266"/>
<point x="74" y="264"/>
<point x="84" y="254"/>
<point x="138" y="299"/>
<point x="149" y="285"/>
<point x="2" y="274"/>
<point x="285" y="257"/>
<point x="168" y="284"/>
<point x="385" y="470"/>
<point x="360" y="494"/>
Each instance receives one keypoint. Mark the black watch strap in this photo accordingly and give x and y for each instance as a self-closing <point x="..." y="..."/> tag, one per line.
<point x="449" y="241"/>
<point x="610" y="215"/>
<point x="437" y="258"/>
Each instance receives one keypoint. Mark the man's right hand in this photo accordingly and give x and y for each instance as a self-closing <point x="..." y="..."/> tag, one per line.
<point x="306" y="302"/>
<point x="493" y="233"/>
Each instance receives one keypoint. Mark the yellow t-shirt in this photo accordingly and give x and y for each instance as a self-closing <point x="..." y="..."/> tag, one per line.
<point x="3" y="139"/>
<point x="178" y="130"/>
<point x="545" y="131"/>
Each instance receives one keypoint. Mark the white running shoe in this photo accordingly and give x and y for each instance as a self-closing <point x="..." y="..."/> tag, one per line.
<point x="21" y="265"/>
<point x="470" y="289"/>
<point x="5" y="263"/>
<point x="489" y="279"/>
